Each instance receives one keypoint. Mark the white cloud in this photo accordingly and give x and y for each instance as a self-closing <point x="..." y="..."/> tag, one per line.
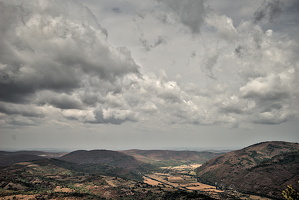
<point x="273" y="87"/>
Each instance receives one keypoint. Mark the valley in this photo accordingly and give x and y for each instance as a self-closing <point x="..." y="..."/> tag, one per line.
<point x="42" y="180"/>
<point x="106" y="174"/>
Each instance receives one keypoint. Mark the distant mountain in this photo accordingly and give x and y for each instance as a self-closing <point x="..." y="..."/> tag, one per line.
<point x="113" y="163"/>
<point x="8" y="158"/>
<point x="36" y="153"/>
<point x="12" y="159"/>
<point x="102" y="157"/>
<point x="265" y="168"/>
<point x="167" y="157"/>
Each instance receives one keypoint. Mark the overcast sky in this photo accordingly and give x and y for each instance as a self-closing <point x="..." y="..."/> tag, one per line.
<point x="151" y="74"/>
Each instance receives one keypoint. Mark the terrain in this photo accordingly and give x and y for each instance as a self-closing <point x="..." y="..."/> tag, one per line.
<point x="111" y="162"/>
<point x="104" y="157"/>
<point x="8" y="158"/>
<point x="265" y="169"/>
<point x="162" y="158"/>
<point x="99" y="174"/>
<point x="58" y="179"/>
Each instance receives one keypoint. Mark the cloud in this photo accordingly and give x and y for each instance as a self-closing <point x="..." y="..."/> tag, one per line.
<point x="59" y="100"/>
<point x="21" y="121"/>
<point x="272" y="95"/>
<point x="191" y="13"/>
<point x="209" y="62"/>
<point x="114" y="116"/>
<point x="24" y="110"/>
<point x="270" y="10"/>
<point x="272" y="117"/>
<point x="274" y="87"/>
<point x="48" y="46"/>
<point x="58" y="65"/>
<point x="160" y="40"/>
<point x="223" y="25"/>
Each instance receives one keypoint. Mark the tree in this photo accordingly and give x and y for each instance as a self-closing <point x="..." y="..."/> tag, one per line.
<point x="290" y="193"/>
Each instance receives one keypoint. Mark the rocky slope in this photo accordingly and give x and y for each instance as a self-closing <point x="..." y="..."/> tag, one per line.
<point x="265" y="168"/>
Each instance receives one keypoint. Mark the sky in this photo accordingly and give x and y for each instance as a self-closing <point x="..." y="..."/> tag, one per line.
<point x="152" y="74"/>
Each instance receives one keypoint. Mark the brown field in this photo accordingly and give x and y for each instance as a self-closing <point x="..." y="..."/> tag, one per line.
<point x="151" y="181"/>
<point x="62" y="189"/>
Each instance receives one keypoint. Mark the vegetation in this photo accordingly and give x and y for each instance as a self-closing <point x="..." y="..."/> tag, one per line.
<point x="274" y="163"/>
<point x="61" y="179"/>
<point x="290" y="193"/>
<point x="56" y="179"/>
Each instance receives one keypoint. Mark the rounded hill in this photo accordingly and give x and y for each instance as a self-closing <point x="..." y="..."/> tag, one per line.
<point x="102" y="157"/>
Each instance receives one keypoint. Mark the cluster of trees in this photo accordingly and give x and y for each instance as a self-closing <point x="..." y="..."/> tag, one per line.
<point x="290" y="193"/>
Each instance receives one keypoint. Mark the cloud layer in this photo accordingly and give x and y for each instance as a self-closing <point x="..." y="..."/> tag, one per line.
<point x="56" y="63"/>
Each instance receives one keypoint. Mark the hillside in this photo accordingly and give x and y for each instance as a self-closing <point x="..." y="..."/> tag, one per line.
<point x="265" y="168"/>
<point x="36" y="153"/>
<point x="113" y="162"/>
<point x="8" y="158"/>
<point x="103" y="157"/>
<point x="168" y="158"/>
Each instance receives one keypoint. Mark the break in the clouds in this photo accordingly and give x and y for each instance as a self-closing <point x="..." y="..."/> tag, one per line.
<point x="57" y="63"/>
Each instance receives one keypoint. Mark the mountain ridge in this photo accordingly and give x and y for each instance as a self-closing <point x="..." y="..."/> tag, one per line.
<point x="265" y="168"/>
<point x="171" y="157"/>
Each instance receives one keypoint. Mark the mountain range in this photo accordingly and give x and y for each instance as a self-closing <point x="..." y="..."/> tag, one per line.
<point x="264" y="169"/>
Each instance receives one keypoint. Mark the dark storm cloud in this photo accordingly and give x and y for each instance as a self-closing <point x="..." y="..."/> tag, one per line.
<point x="54" y="53"/>
<point x="270" y="10"/>
<point x="17" y="85"/>
<point x="48" y="46"/>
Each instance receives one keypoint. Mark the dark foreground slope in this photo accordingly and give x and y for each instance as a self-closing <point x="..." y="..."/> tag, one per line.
<point x="168" y="158"/>
<point x="265" y="168"/>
